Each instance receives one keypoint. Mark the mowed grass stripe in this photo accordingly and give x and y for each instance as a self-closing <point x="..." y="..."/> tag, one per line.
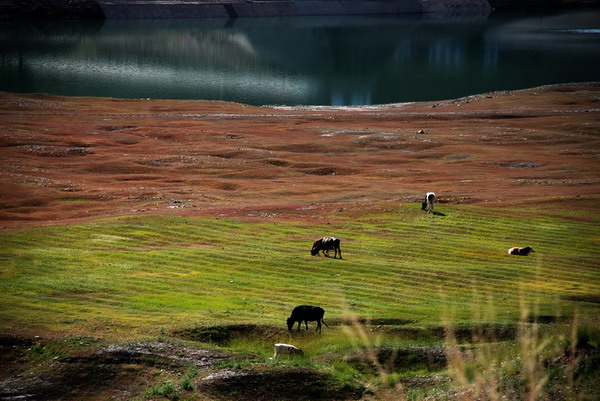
<point x="175" y="264"/>
<point x="397" y="264"/>
<point x="348" y="287"/>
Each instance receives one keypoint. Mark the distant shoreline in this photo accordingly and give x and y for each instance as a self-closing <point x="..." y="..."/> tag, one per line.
<point x="152" y="9"/>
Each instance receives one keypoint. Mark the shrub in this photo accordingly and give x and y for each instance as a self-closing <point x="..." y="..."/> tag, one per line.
<point x="44" y="352"/>
<point x="166" y="390"/>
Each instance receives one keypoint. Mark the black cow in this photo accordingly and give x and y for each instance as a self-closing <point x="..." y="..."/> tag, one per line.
<point x="326" y="244"/>
<point x="306" y="313"/>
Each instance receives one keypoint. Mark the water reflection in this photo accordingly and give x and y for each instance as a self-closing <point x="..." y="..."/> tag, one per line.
<point x="304" y="60"/>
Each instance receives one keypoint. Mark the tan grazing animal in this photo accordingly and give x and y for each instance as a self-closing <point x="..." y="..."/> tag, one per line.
<point x="520" y="251"/>
<point x="286" y="349"/>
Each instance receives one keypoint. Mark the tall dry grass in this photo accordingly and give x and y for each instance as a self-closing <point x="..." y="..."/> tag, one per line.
<point x="542" y="362"/>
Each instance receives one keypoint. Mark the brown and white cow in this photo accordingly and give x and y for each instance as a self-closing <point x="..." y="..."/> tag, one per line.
<point x="520" y="251"/>
<point x="428" y="202"/>
<point x="326" y="244"/>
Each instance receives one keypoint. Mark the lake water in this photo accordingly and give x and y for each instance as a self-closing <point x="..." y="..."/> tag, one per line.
<point x="301" y="60"/>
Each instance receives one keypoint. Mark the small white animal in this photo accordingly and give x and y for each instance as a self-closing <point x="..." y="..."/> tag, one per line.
<point x="287" y="349"/>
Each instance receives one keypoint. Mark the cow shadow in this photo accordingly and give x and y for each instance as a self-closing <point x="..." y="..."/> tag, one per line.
<point x="333" y="257"/>
<point x="437" y="213"/>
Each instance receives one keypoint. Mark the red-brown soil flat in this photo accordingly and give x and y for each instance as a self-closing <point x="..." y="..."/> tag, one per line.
<point x="65" y="158"/>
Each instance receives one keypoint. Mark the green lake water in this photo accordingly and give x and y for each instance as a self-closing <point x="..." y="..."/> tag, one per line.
<point x="301" y="60"/>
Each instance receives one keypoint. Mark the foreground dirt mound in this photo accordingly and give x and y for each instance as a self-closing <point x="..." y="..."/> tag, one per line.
<point x="223" y="335"/>
<point x="394" y="359"/>
<point x="284" y="384"/>
<point x="462" y="333"/>
<point x="43" y="372"/>
<point x="60" y="380"/>
<point x="115" y="369"/>
<point x="157" y="353"/>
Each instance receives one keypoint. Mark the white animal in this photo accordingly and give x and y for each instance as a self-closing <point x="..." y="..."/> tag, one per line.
<point x="286" y="349"/>
<point x="428" y="203"/>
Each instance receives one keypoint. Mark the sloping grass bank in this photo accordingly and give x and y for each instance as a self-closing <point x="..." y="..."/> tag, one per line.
<point x="142" y="275"/>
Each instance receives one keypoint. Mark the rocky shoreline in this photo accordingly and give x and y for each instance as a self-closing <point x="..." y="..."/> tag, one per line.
<point x="142" y="9"/>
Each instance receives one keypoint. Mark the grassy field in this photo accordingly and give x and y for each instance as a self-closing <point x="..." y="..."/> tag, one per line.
<point x="145" y="274"/>
<point x="405" y="274"/>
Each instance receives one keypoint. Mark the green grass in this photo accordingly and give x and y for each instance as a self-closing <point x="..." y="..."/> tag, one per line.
<point x="141" y="275"/>
<point x="412" y="275"/>
<point x="167" y="390"/>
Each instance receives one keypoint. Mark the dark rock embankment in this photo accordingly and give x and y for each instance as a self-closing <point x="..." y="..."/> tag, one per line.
<point x="147" y="9"/>
<point x="278" y="8"/>
<point x="540" y="4"/>
<point x="50" y="9"/>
